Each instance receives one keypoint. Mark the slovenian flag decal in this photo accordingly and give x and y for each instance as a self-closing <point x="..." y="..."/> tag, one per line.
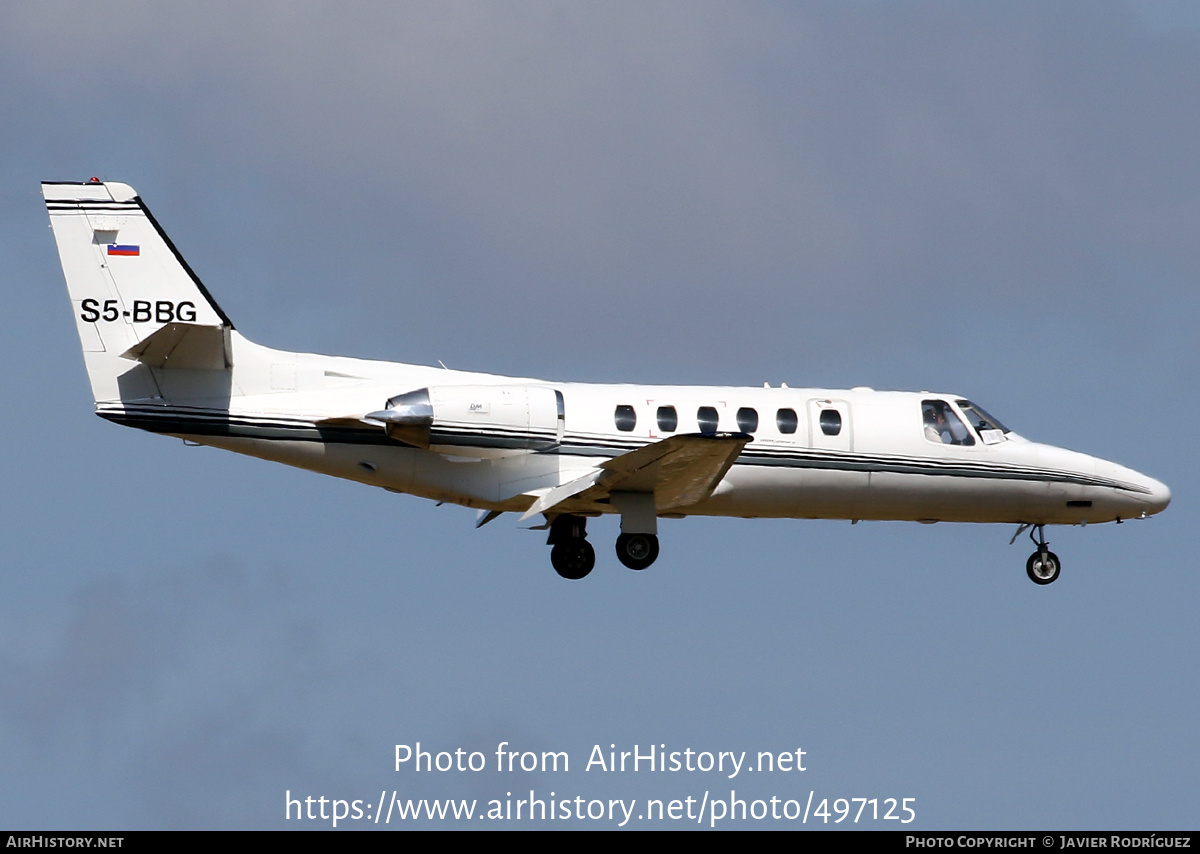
<point x="116" y="249"/>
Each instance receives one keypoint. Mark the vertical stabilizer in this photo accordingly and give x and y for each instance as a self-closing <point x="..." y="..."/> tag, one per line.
<point x="139" y="308"/>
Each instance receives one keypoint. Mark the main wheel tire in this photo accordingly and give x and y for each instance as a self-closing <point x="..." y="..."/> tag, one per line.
<point x="573" y="559"/>
<point x="1043" y="567"/>
<point x="637" y="551"/>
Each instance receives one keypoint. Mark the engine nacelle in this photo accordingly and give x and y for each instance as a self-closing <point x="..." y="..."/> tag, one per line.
<point x="498" y="418"/>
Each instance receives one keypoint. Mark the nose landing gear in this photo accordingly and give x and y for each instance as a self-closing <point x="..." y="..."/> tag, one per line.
<point x="1043" y="565"/>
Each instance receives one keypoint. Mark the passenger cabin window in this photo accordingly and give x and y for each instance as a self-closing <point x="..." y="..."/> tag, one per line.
<point x="786" y="420"/>
<point x="706" y="417"/>
<point x="831" y="422"/>
<point x="625" y="418"/>
<point x="747" y="419"/>
<point x="942" y="425"/>
<point x="668" y="419"/>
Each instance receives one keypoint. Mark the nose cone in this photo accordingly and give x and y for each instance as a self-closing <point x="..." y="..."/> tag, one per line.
<point x="1143" y="495"/>
<point x="1159" y="497"/>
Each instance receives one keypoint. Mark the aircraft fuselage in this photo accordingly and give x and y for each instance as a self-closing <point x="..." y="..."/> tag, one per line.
<point x="162" y="356"/>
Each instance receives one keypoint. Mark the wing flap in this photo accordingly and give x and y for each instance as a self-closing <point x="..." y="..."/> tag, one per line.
<point x="558" y="494"/>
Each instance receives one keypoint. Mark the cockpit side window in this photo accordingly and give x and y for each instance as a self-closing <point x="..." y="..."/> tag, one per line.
<point x="942" y="425"/>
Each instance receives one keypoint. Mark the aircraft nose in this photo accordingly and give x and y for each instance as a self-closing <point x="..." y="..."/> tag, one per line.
<point x="1135" y="494"/>
<point x="1147" y="495"/>
<point x="1159" y="497"/>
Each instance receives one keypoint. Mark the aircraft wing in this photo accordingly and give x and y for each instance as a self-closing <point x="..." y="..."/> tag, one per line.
<point x="679" y="471"/>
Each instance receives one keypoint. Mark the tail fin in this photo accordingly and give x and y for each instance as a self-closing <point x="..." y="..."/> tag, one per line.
<point x="138" y="306"/>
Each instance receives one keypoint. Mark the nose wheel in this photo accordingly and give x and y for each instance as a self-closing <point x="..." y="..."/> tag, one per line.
<point x="1043" y="565"/>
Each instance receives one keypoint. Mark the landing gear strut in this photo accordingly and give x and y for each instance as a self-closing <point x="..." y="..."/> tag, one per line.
<point x="637" y="551"/>
<point x="572" y="555"/>
<point x="1043" y="565"/>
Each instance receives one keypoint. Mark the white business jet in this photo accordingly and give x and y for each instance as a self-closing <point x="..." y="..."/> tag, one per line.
<point x="162" y="356"/>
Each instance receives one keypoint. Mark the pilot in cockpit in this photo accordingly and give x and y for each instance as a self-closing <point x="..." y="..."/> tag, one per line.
<point x="936" y="428"/>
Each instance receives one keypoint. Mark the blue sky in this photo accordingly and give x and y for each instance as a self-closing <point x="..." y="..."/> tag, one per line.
<point x="996" y="200"/>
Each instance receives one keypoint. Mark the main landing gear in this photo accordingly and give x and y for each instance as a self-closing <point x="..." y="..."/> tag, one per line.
<point x="637" y="551"/>
<point x="1043" y="565"/>
<point x="573" y="556"/>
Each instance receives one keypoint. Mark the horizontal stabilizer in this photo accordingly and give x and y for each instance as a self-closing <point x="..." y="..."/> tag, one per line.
<point x="184" y="345"/>
<point x="351" y="421"/>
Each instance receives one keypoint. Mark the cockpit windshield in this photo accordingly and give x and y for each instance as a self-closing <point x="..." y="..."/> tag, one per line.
<point x="990" y="430"/>
<point x="979" y="418"/>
